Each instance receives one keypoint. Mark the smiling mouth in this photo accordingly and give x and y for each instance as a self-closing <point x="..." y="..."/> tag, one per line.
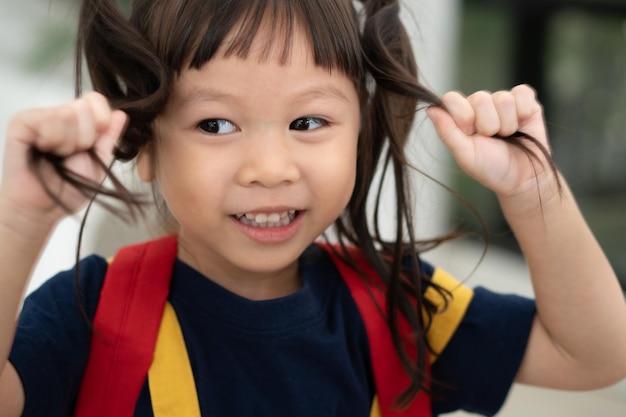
<point x="267" y="220"/>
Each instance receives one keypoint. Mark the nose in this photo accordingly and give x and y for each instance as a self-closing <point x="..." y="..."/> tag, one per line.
<point x="268" y="160"/>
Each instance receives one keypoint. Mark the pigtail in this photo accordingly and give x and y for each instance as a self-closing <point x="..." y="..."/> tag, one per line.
<point x="394" y="94"/>
<point x="387" y="121"/>
<point x="124" y="67"/>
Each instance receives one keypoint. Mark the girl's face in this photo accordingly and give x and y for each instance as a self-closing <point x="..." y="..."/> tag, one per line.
<point x="255" y="159"/>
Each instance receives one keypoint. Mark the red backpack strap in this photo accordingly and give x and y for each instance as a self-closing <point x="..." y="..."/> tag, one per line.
<point x="126" y="325"/>
<point x="389" y="374"/>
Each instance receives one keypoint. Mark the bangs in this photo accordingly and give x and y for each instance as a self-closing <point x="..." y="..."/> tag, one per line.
<point x="190" y="32"/>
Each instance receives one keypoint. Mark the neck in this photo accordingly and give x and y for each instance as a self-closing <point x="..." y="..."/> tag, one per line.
<point x="253" y="285"/>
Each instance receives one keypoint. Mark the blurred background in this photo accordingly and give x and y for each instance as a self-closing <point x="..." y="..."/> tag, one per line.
<point x="572" y="51"/>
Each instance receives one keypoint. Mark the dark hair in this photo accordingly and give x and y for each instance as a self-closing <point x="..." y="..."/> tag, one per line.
<point x="133" y="61"/>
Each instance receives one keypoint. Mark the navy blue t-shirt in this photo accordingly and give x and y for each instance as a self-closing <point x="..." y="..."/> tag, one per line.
<point x="305" y="354"/>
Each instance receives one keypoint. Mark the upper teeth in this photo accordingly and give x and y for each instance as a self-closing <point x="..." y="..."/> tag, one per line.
<point x="267" y="219"/>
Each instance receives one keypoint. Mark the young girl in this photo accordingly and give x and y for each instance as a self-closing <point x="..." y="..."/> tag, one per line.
<point x="261" y="124"/>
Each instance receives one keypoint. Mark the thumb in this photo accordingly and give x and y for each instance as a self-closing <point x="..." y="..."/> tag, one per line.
<point x="105" y="144"/>
<point x="451" y="135"/>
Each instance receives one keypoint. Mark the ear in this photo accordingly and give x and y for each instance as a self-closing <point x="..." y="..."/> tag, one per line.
<point x="144" y="164"/>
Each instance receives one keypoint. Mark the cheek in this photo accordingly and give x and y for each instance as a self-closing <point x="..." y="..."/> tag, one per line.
<point x="187" y="175"/>
<point x="336" y="174"/>
<point x="350" y="178"/>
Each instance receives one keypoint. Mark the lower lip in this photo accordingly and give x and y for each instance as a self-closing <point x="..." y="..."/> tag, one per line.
<point x="270" y="234"/>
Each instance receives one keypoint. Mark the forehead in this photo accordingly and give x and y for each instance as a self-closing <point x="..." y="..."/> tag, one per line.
<point x="268" y="74"/>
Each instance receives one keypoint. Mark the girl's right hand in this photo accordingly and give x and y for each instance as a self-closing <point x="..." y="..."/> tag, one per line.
<point x="67" y="131"/>
<point x="28" y="214"/>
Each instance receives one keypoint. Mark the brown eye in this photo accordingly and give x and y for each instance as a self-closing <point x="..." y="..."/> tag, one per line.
<point x="217" y="126"/>
<point x="308" y="123"/>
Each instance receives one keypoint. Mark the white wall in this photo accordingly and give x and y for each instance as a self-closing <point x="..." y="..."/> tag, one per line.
<point x="433" y="26"/>
<point x="22" y="89"/>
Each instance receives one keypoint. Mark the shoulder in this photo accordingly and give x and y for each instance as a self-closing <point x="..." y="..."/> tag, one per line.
<point x="478" y="364"/>
<point x="84" y="281"/>
<point x="451" y="300"/>
<point x="52" y="337"/>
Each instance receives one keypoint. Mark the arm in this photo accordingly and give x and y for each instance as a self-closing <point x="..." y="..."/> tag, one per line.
<point x="578" y="339"/>
<point x="28" y="215"/>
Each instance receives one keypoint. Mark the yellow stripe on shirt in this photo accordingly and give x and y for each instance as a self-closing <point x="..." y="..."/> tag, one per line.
<point x="172" y="387"/>
<point x="448" y="318"/>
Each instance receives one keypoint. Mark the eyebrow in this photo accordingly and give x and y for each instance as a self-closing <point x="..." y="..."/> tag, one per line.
<point x="321" y="92"/>
<point x="308" y="94"/>
<point x="202" y="94"/>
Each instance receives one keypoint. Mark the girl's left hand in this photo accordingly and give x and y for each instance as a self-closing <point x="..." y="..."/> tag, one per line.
<point x="468" y="128"/>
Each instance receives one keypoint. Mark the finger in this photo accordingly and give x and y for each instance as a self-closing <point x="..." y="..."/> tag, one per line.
<point x="94" y="119"/>
<point x="100" y="109"/>
<point x="461" y="111"/>
<point x="65" y="129"/>
<point x="57" y="129"/>
<point x="44" y="129"/>
<point x="450" y="133"/>
<point x="526" y="103"/>
<point x="86" y="134"/>
<point x="106" y="142"/>
<point x="487" y="118"/>
<point x="505" y="105"/>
